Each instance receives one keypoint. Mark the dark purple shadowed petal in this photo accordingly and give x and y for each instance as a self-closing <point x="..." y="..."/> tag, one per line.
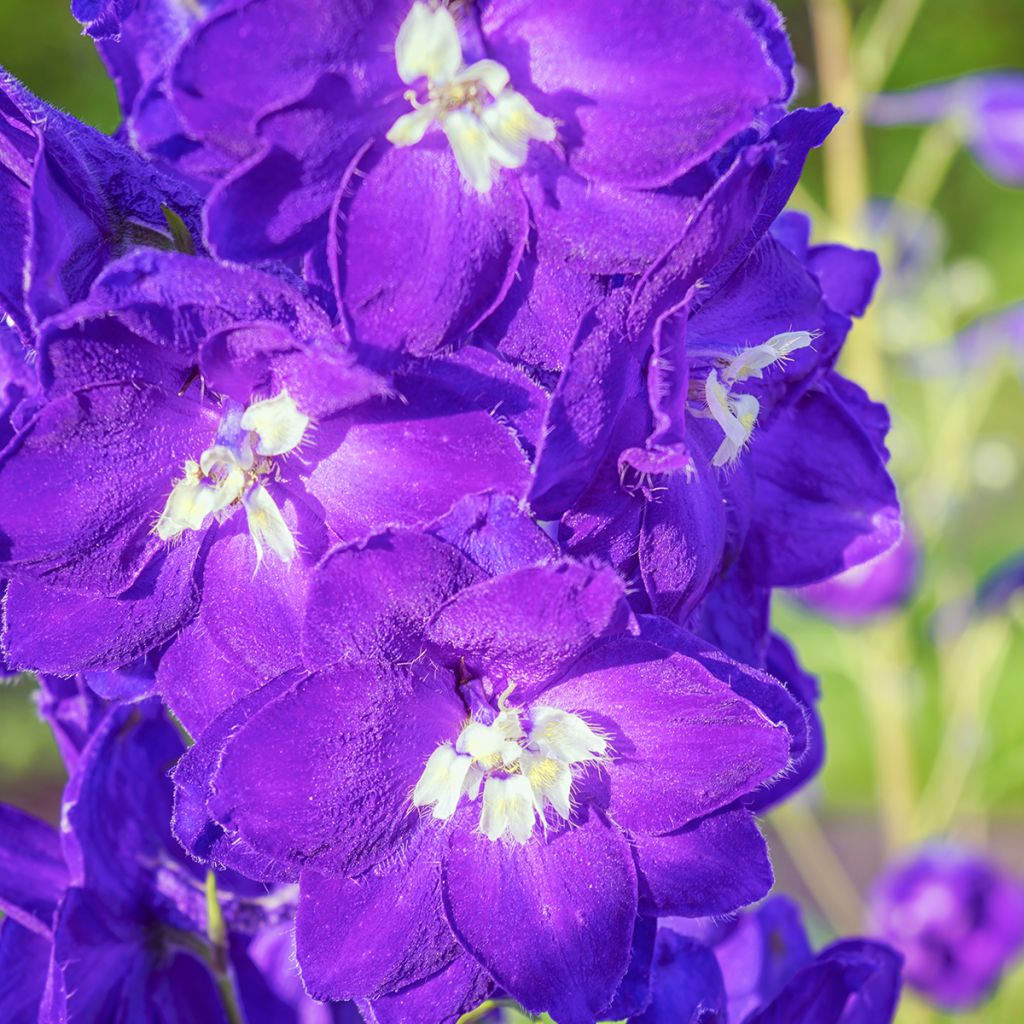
<point x="551" y="920"/>
<point x="32" y="872"/>
<point x="712" y="867"/>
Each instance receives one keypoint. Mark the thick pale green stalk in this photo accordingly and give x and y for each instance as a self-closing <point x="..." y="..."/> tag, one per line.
<point x="822" y="871"/>
<point x="882" y="42"/>
<point x="844" y="156"/>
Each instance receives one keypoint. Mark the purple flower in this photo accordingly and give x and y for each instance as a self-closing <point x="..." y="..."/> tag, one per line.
<point x="717" y="435"/>
<point x="137" y="40"/>
<point x="74" y="200"/>
<point x="206" y="425"/>
<point x="987" y="109"/>
<point x="413" y="147"/>
<point x="109" y="916"/>
<point x="759" y="969"/>
<point x="872" y="588"/>
<point x="957" y="919"/>
<point x="461" y="750"/>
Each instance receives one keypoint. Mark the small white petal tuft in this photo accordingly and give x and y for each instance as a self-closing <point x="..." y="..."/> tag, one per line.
<point x="507" y="807"/>
<point x="443" y="781"/>
<point x="277" y="423"/>
<point x="428" y="45"/>
<point x="267" y="525"/>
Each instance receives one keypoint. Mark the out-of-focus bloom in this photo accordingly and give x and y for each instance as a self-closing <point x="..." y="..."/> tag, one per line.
<point x="957" y="918"/>
<point x="872" y="588"/>
<point x="760" y="969"/>
<point x="108" y="919"/>
<point x="987" y="109"/>
<point x="1001" y="586"/>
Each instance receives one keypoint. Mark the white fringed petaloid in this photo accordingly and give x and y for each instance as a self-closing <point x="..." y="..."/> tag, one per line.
<point x="523" y="771"/>
<point x="487" y="123"/>
<point x="737" y="414"/>
<point x="228" y="475"/>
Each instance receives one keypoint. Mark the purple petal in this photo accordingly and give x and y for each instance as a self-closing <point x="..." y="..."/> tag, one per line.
<point x="573" y="900"/>
<point x="526" y="627"/>
<point x="599" y="376"/>
<point x="407" y="463"/>
<point x="378" y="934"/>
<point x="686" y="982"/>
<point x="644" y="92"/>
<point x="275" y="205"/>
<point x="371" y="601"/>
<point x="712" y="867"/>
<point x="24" y="965"/>
<point x="101" y="463"/>
<point x="444" y="997"/>
<point x="683" y="743"/>
<point x="494" y="533"/>
<point x="825" y="501"/>
<point x="322" y="775"/>
<point x="32" y="872"/>
<point x="421" y="260"/>
<point x="50" y="630"/>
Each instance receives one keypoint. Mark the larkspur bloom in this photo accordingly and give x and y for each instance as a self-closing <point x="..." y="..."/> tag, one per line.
<point x="870" y="589"/>
<point x="109" y="919"/>
<point x="496" y="746"/>
<point x="227" y="436"/>
<point x="956" y="917"/>
<point x="760" y="969"/>
<point x="74" y="200"/>
<point x="986" y="109"/>
<point x="575" y="119"/>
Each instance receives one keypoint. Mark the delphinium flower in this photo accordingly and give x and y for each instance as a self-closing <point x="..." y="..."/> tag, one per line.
<point x="985" y="109"/>
<point x="958" y="919"/>
<point x="412" y="147"/>
<point x="759" y="969"/>
<point x="870" y="589"/>
<point x="206" y="423"/>
<point x="481" y="780"/>
<point x="73" y="200"/>
<point x="108" y="919"/>
<point x="446" y="516"/>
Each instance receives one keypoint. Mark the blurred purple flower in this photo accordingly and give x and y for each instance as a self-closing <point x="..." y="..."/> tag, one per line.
<point x="957" y="918"/>
<point x="987" y="108"/>
<point x="873" y="588"/>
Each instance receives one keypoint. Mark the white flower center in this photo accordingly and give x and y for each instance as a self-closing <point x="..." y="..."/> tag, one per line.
<point x="228" y="475"/>
<point x="522" y="771"/>
<point x="737" y="414"/>
<point x="488" y="124"/>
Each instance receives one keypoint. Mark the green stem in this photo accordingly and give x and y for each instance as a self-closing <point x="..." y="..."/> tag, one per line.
<point x="970" y="669"/>
<point x="844" y="156"/>
<point x="219" y="960"/>
<point x="881" y="44"/>
<point x="820" y="868"/>
<point x="929" y="166"/>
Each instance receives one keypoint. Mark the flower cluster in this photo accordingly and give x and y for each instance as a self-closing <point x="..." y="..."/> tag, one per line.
<point x="422" y="401"/>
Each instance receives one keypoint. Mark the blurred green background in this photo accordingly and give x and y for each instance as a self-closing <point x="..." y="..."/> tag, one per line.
<point x="923" y="710"/>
